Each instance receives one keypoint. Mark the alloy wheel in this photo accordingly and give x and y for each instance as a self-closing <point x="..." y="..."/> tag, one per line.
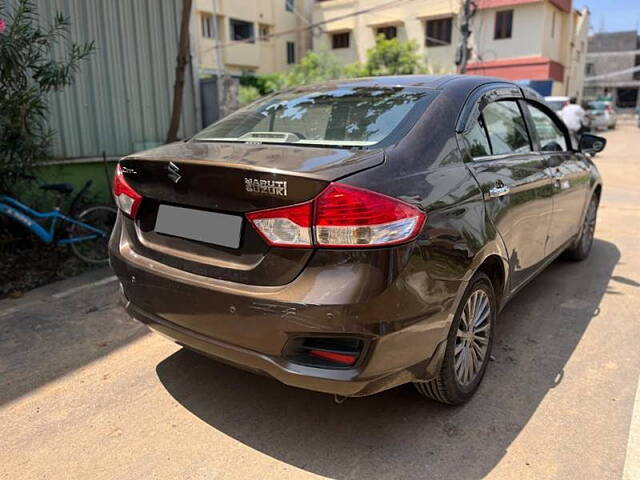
<point x="472" y="338"/>
<point x="589" y="228"/>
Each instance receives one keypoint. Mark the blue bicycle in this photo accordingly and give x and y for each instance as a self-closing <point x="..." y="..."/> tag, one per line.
<point x="87" y="233"/>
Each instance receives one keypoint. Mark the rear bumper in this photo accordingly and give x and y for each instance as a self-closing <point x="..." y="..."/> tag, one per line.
<point x="405" y="325"/>
<point x="348" y="383"/>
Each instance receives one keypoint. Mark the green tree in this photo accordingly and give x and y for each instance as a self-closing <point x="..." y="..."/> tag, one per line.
<point x="247" y="94"/>
<point x="272" y="82"/>
<point x="264" y="84"/>
<point x="392" y="57"/>
<point x="315" y="67"/>
<point x="29" y="73"/>
<point x="388" y="57"/>
<point x="355" y="70"/>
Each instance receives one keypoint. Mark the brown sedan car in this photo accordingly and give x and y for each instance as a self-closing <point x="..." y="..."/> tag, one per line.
<point x="355" y="235"/>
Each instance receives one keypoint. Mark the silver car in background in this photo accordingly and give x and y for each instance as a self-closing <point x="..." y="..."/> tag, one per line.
<point x="557" y="103"/>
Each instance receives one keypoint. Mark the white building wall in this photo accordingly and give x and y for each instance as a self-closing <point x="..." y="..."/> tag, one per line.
<point x="526" y="39"/>
<point x="575" y="70"/>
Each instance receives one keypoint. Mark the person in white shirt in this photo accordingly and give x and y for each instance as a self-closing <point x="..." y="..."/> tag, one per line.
<point x="573" y="116"/>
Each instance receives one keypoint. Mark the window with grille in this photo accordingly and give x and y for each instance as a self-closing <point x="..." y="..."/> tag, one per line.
<point x="438" y="32"/>
<point x="388" y="32"/>
<point x="264" y="31"/>
<point x="241" y="30"/>
<point x="340" y="40"/>
<point x="206" y="23"/>
<point x="291" y="53"/>
<point x="504" y="24"/>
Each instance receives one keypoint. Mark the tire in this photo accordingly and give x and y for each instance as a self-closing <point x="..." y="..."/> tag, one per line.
<point x="582" y="247"/>
<point x="94" y="251"/>
<point x="451" y="385"/>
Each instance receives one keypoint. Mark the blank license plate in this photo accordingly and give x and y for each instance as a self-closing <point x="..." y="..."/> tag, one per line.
<point x="210" y="227"/>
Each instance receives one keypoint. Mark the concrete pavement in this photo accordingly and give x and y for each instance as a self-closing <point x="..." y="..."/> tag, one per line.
<point x="87" y="393"/>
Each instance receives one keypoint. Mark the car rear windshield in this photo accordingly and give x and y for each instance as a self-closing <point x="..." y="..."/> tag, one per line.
<point x="342" y="117"/>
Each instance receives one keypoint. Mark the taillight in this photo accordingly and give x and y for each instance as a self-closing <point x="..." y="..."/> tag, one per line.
<point x="127" y="198"/>
<point x="341" y="216"/>
<point x="352" y="217"/>
<point x="284" y="227"/>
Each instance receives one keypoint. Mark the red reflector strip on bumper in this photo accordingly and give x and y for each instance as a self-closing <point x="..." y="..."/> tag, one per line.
<point x="342" y="358"/>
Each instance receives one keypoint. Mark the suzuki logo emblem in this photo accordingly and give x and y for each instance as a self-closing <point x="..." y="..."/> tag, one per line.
<point x="174" y="172"/>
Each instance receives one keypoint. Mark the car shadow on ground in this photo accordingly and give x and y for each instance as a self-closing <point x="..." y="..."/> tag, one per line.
<point x="47" y="339"/>
<point x="398" y="431"/>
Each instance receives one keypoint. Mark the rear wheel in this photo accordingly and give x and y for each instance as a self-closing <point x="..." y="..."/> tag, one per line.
<point x="468" y="346"/>
<point x="94" y="250"/>
<point x="582" y="248"/>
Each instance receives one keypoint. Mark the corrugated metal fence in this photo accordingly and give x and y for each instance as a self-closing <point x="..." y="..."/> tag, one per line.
<point x="121" y="101"/>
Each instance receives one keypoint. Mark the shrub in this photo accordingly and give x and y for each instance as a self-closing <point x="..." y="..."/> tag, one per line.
<point x="29" y="73"/>
<point x="392" y="57"/>
<point x="247" y="94"/>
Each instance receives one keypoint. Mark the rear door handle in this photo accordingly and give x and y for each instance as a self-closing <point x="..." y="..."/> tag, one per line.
<point x="499" y="190"/>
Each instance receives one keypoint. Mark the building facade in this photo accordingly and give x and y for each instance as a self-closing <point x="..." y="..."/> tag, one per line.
<point x="259" y="36"/>
<point x="542" y="43"/>
<point x="537" y="42"/>
<point x="432" y="24"/>
<point x="613" y="68"/>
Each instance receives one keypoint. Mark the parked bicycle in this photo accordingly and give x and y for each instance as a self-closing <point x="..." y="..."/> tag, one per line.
<point x="87" y="233"/>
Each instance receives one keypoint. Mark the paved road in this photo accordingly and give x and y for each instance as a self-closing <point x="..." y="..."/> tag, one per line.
<point x="87" y="393"/>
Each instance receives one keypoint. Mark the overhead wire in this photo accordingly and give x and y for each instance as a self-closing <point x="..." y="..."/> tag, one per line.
<point x="613" y="74"/>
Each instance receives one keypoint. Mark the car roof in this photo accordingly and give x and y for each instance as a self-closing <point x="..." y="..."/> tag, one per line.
<point x="435" y="82"/>
<point x="554" y="98"/>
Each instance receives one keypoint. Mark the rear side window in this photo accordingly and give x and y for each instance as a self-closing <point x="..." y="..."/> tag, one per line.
<point x="506" y="128"/>
<point x="551" y="138"/>
<point x="477" y="140"/>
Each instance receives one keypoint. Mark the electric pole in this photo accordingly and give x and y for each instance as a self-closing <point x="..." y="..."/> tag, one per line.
<point x="220" y="80"/>
<point x="462" y="55"/>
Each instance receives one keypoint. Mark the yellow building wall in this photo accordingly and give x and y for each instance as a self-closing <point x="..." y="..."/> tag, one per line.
<point x="408" y="18"/>
<point x="260" y="56"/>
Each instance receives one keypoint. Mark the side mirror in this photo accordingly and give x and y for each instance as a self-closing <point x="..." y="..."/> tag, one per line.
<point x="591" y="143"/>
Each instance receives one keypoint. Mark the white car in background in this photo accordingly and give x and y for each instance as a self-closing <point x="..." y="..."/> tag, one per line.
<point x="556" y="103"/>
<point x="603" y="115"/>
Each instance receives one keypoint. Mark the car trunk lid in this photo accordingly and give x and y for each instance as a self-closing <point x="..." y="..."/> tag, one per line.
<point x="230" y="179"/>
